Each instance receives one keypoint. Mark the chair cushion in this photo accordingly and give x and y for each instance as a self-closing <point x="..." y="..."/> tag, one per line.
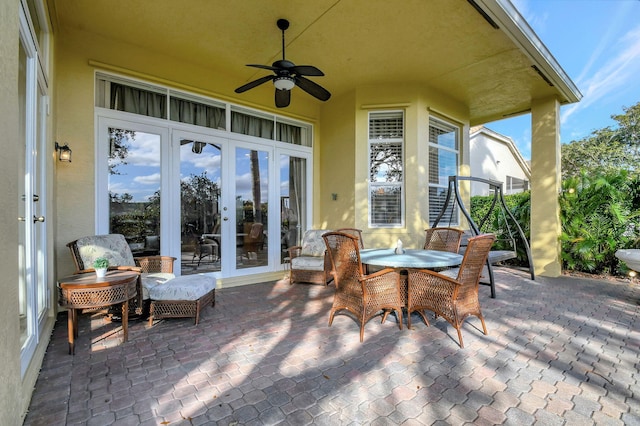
<point x="312" y="243"/>
<point x="150" y="280"/>
<point x="113" y="247"/>
<point x="185" y="287"/>
<point x="308" y="263"/>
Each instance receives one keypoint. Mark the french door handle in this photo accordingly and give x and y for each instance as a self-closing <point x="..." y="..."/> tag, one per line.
<point x="21" y="219"/>
<point x="38" y="219"/>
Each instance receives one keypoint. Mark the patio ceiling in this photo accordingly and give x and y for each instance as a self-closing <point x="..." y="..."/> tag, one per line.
<point x="446" y="45"/>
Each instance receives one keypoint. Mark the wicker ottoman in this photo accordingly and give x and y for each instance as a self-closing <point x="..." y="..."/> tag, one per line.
<point x="182" y="297"/>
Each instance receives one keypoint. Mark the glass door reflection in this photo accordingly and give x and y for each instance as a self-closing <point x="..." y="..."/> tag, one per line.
<point x="252" y="200"/>
<point x="200" y="200"/>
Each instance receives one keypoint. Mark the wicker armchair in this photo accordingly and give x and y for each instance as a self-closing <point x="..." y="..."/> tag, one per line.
<point x="364" y="296"/>
<point x="153" y="269"/>
<point x="453" y="299"/>
<point x="309" y="261"/>
<point x="443" y="239"/>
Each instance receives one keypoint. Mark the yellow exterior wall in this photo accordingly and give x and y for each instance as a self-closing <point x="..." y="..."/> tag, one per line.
<point x="336" y="166"/>
<point x="10" y="396"/>
<point x="345" y="158"/>
<point x="545" y="207"/>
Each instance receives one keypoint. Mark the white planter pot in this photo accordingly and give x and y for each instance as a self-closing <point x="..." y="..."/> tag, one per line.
<point x="631" y="257"/>
<point x="101" y="272"/>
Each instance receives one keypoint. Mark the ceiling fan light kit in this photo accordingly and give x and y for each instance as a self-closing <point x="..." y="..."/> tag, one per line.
<point x="287" y="75"/>
<point x="284" y="83"/>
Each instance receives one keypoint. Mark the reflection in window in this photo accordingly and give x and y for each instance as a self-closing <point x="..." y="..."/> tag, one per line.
<point x="252" y="199"/>
<point x="443" y="162"/>
<point x="386" y="169"/>
<point x="293" y="199"/>
<point x="134" y="189"/>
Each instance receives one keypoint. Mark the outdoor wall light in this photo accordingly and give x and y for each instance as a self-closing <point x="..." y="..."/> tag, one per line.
<point x="64" y="152"/>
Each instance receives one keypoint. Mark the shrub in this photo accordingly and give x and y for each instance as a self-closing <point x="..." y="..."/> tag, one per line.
<point x="599" y="215"/>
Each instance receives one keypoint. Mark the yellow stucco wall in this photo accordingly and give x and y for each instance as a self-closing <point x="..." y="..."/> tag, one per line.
<point x="10" y="381"/>
<point x="344" y="157"/>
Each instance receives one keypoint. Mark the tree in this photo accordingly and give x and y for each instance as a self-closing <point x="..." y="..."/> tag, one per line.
<point x="606" y="150"/>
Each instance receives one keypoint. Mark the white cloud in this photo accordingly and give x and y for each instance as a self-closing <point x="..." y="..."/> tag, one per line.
<point x="615" y="75"/>
<point x="153" y="179"/>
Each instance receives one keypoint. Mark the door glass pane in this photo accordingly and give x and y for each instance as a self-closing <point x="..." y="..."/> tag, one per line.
<point x="22" y="191"/>
<point x="134" y="189"/>
<point x="252" y="197"/>
<point x="200" y="183"/>
<point x="293" y="200"/>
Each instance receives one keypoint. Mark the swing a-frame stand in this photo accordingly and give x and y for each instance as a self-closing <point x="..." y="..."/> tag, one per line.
<point x="495" y="187"/>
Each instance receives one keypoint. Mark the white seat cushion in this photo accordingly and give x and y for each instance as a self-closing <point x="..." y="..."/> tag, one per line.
<point x="308" y="263"/>
<point x="150" y="280"/>
<point x="186" y="287"/>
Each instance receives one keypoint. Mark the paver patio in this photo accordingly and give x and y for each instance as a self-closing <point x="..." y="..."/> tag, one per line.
<point x="559" y="351"/>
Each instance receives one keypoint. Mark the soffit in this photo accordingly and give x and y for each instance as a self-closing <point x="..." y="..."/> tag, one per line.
<point x="443" y="44"/>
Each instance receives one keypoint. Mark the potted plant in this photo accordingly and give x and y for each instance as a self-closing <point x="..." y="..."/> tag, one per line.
<point x="100" y="265"/>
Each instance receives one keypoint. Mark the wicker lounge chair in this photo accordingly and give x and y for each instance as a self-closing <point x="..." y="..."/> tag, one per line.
<point x="153" y="269"/>
<point x="453" y="299"/>
<point x="364" y="296"/>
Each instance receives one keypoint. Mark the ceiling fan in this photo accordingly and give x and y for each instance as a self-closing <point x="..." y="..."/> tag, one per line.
<point x="287" y="75"/>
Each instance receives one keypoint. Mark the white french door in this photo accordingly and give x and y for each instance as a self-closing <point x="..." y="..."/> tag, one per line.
<point x="34" y="298"/>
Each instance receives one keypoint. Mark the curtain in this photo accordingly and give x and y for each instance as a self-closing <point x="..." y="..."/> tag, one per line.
<point x="288" y="133"/>
<point x="252" y="126"/>
<point x="297" y="195"/>
<point x="138" y="101"/>
<point x="190" y="112"/>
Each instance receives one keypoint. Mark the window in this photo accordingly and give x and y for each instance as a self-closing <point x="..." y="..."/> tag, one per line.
<point x="146" y="99"/>
<point x="386" y="169"/>
<point x="444" y="142"/>
<point x="515" y="185"/>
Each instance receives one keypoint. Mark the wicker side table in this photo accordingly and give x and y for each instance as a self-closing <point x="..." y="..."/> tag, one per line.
<point x="87" y="291"/>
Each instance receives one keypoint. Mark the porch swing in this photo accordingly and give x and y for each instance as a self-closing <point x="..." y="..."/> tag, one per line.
<point x="505" y="247"/>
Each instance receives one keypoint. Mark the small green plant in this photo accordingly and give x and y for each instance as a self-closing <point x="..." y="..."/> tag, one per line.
<point x="101" y="263"/>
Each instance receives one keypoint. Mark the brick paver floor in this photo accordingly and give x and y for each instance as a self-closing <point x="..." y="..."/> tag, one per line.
<point x="559" y="351"/>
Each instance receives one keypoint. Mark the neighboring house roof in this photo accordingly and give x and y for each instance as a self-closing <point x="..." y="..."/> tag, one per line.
<point x="479" y="53"/>
<point x="482" y="135"/>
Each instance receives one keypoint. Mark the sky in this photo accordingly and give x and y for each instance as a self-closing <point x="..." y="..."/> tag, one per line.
<point x="597" y="43"/>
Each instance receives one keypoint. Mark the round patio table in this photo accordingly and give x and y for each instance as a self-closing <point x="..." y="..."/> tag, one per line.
<point x="88" y="291"/>
<point x="410" y="259"/>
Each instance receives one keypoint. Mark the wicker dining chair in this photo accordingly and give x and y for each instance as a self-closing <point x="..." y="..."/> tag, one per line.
<point x="364" y="296"/>
<point x="443" y="239"/>
<point x="354" y="232"/>
<point x="453" y="299"/>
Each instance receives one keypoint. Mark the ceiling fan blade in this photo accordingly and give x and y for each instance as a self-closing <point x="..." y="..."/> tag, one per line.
<point x="307" y="70"/>
<point x="283" y="98"/>
<point x="264" y="67"/>
<point x="312" y="88"/>
<point x="254" y="83"/>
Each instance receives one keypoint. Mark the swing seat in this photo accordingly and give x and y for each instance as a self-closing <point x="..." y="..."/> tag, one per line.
<point x="495" y="256"/>
<point x="453" y="201"/>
